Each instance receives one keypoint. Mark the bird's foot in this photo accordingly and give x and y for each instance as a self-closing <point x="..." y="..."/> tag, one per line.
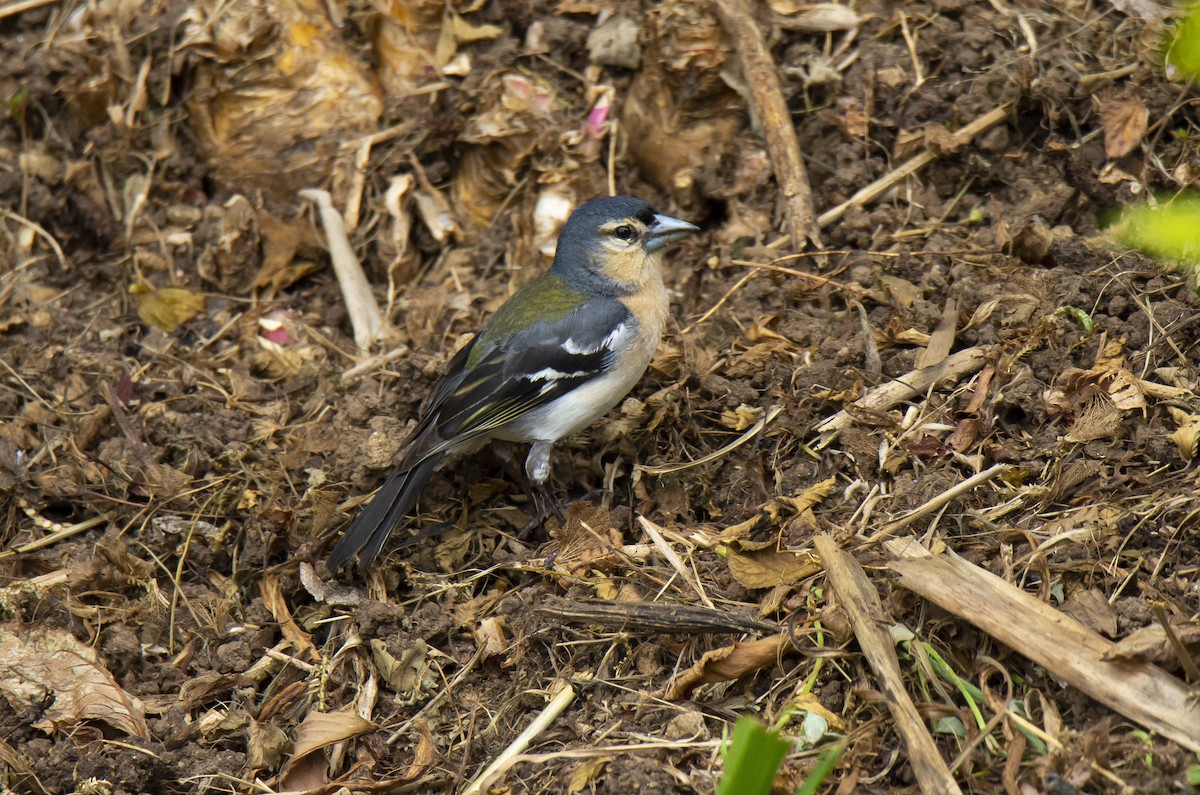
<point x="546" y="507"/>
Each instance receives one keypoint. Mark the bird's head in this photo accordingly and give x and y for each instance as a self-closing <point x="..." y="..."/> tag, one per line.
<point x="615" y="244"/>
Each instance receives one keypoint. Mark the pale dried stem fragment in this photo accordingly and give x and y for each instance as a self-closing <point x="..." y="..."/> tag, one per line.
<point x="911" y="166"/>
<point x="20" y="7"/>
<point x="953" y="368"/>
<point x="766" y="95"/>
<point x="509" y="755"/>
<point x="1069" y="651"/>
<point x="858" y="598"/>
<point x="673" y="558"/>
<point x="365" y="316"/>
<point x="939" y="501"/>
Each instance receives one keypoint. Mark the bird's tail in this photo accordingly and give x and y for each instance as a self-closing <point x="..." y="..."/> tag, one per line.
<point x="395" y="498"/>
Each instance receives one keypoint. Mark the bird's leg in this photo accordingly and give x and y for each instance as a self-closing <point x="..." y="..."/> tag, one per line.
<point x="537" y="466"/>
<point x="503" y="452"/>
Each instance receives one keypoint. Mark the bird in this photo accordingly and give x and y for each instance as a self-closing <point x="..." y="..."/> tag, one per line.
<point x="554" y="358"/>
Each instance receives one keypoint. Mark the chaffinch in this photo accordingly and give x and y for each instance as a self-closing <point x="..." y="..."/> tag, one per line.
<point x="555" y="357"/>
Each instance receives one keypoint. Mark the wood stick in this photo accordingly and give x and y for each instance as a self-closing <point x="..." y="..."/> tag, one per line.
<point x="366" y="318"/>
<point x="505" y="760"/>
<point x="916" y="382"/>
<point x="861" y="603"/>
<point x="1067" y="649"/>
<point x="766" y="96"/>
<point x="936" y="502"/>
<point x="911" y="166"/>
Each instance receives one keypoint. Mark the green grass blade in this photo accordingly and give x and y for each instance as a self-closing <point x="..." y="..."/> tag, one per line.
<point x="829" y="759"/>
<point x="752" y="759"/>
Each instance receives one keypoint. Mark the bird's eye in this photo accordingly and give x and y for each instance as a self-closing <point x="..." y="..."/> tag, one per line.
<point x="624" y="232"/>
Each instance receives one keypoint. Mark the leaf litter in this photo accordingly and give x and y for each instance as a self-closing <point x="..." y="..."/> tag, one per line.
<point x="972" y="365"/>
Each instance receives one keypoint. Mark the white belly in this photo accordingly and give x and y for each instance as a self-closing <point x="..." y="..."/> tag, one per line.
<point x="575" y="410"/>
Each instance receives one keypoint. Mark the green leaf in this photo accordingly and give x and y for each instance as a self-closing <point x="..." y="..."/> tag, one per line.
<point x="752" y="758"/>
<point x="1170" y="230"/>
<point x="949" y="724"/>
<point x="1183" y="53"/>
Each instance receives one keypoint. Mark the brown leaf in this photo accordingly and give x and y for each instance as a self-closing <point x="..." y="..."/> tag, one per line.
<point x="728" y="662"/>
<point x="583" y="776"/>
<point x="456" y="31"/>
<point x="1092" y="609"/>
<point x="1187" y="436"/>
<point x="490" y="637"/>
<point x="423" y="757"/>
<point x="273" y="599"/>
<point x="319" y="730"/>
<point x="1150" y="644"/>
<point x="767" y="568"/>
<point x="1124" y="122"/>
<point x="809" y="498"/>
<point x="281" y="239"/>
<point x="815" y="18"/>
<point x="402" y="674"/>
<point x="265" y="745"/>
<point x="38" y="663"/>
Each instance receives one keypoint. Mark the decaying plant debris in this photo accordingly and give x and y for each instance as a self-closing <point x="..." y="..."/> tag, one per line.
<point x="984" y="410"/>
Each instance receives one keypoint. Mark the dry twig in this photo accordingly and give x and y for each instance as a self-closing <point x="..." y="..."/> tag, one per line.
<point x="917" y="382"/>
<point x="365" y="316"/>
<point x="861" y="603"/>
<point x="1066" y="648"/>
<point x="771" y="107"/>
<point x="911" y="166"/>
<point x="556" y="707"/>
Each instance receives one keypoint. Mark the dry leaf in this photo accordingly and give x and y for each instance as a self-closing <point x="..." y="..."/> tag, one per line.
<point x="275" y="90"/>
<point x="901" y="291"/>
<point x="220" y="721"/>
<point x="742" y="417"/>
<point x="586" y="773"/>
<point x="816" y="18"/>
<point x="941" y="341"/>
<point x="423" y="757"/>
<point x="402" y="674"/>
<point x="1091" y="608"/>
<point x="273" y="599"/>
<point x="490" y="637"/>
<point x="907" y="143"/>
<point x="319" y="730"/>
<point x="281" y="239"/>
<point x="728" y="662"/>
<point x="168" y="308"/>
<point x="767" y="568"/>
<point x="1187" y="436"/>
<point x="1151" y="644"/>
<point x="265" y="746"/>
<point x="456" y="31"/>
<point x="810" y="497"/>
<point x="37" y="664"/>
<point x="808" y="702"/>
<point x="1125" y="390"/>
<point x="1124" y="122"/>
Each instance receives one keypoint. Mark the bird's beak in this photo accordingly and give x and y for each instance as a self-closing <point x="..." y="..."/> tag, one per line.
<point x="667" y="230"/>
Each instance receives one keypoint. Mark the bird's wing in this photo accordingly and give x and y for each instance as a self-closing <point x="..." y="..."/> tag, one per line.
<point x="519" y="373"/>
